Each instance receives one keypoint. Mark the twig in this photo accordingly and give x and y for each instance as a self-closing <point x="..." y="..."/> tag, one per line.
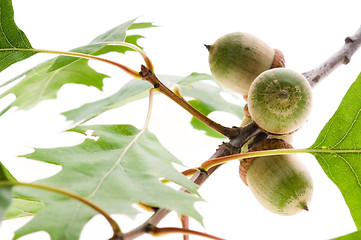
<point x="343" y="56"/>
<point x="149" y="76"/>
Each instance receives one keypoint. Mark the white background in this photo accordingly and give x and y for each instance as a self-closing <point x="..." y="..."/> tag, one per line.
<point x="306" y="31"/>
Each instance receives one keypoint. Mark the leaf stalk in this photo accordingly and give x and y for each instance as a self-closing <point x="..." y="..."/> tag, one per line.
<point x="217" y="161"/>
<point x="126" y="69"/>
<point x="147" y="61"/>
<point x="114" y="225"/>
<point x="157" y="232"/>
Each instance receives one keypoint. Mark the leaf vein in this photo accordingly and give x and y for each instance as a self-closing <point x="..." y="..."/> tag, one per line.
<point x="352" y="170"/>
<point x="3" y="33"/>
<point x="348" y="130"/>
<point x="92" y="194"/>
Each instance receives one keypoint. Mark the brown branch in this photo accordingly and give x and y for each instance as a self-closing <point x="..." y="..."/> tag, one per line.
<point x="342" y="56"/>
<point x="149" y="76"/>
<point x="251" y="130"/>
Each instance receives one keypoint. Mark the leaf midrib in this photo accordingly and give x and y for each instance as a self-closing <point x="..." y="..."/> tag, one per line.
<point x="111" y="169"/>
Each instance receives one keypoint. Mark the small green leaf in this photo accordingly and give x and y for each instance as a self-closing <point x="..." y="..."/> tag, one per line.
<point x="141" y="25"/>
<point x="201" y="126"/>
<point x="211" y="96"/>
<point x="5" y="191"/>
<point x="11" y="37"/>
<point x="193" y="78"/>
<point x="343" y="132"/>
<point x="131" y="91"/>
<point x="208" y="99"/>
<point x="99" y="45"/>
<point x="120" y="168"/>
<point x="39" y="84"/>
<point x="23" y="208"/>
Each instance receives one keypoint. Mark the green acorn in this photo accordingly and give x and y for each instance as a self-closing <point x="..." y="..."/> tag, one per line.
<point x="236" y="59"/>
<point x="280" y="101"/>
<point x="281" y="183"/>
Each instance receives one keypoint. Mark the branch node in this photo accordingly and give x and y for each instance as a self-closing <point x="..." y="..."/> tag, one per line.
<point x="144" y="71"/>
<point x="149" y="228"/>
<point x="349" y="40"/>
<point x="117" y="236"/>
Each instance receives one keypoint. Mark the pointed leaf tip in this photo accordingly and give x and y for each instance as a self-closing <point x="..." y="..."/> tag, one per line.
<point x="11" y="37"/>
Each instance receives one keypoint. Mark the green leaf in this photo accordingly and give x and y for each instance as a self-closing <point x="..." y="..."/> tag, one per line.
<point x="123" y="167"/>
<point x="350" y="236"/>
<point x="208" y="99"/>
<point x="131" y="91"/>
<point x="45" y="83"/>
<point x="99" y="45"/>
<point x="343" y="132"/>
<point x="39" y="84"/>
<point x="23" y="208"/>
<point x="193" y="78"/>
<point x="11" y="37"/>
<point x="201" y="126"/>
<point x="5" y="191"/>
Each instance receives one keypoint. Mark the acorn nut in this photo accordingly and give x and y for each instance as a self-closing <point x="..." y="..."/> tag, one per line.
<point x="281" y="183"/>
<point x="236" y="59"/>
<point x="280" y="101"/>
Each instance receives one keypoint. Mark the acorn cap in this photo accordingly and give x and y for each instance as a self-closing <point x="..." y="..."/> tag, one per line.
<point x="268" y="144"/>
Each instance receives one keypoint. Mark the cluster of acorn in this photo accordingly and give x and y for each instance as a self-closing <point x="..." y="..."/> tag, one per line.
<point x="279" y="101"/>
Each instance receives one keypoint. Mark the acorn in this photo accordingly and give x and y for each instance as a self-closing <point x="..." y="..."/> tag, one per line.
<point x="236" y="59"/>
<point x="280" y="101"/>
<point x="281" y="183"/>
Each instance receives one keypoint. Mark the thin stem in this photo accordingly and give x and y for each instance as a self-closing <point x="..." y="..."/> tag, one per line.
<point x="217" y="161"/>
<point x="187" y="173"/>
<point x="150" y="107"/>
<point x="155" y="231"/>
<point x="185" y="225"/>
<point x="112" y="222"/>
<point x="126" y="69"/>
<point x="147" y="61"/>
<point x="152" y="78"/>
<point x="146" y="207"/>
